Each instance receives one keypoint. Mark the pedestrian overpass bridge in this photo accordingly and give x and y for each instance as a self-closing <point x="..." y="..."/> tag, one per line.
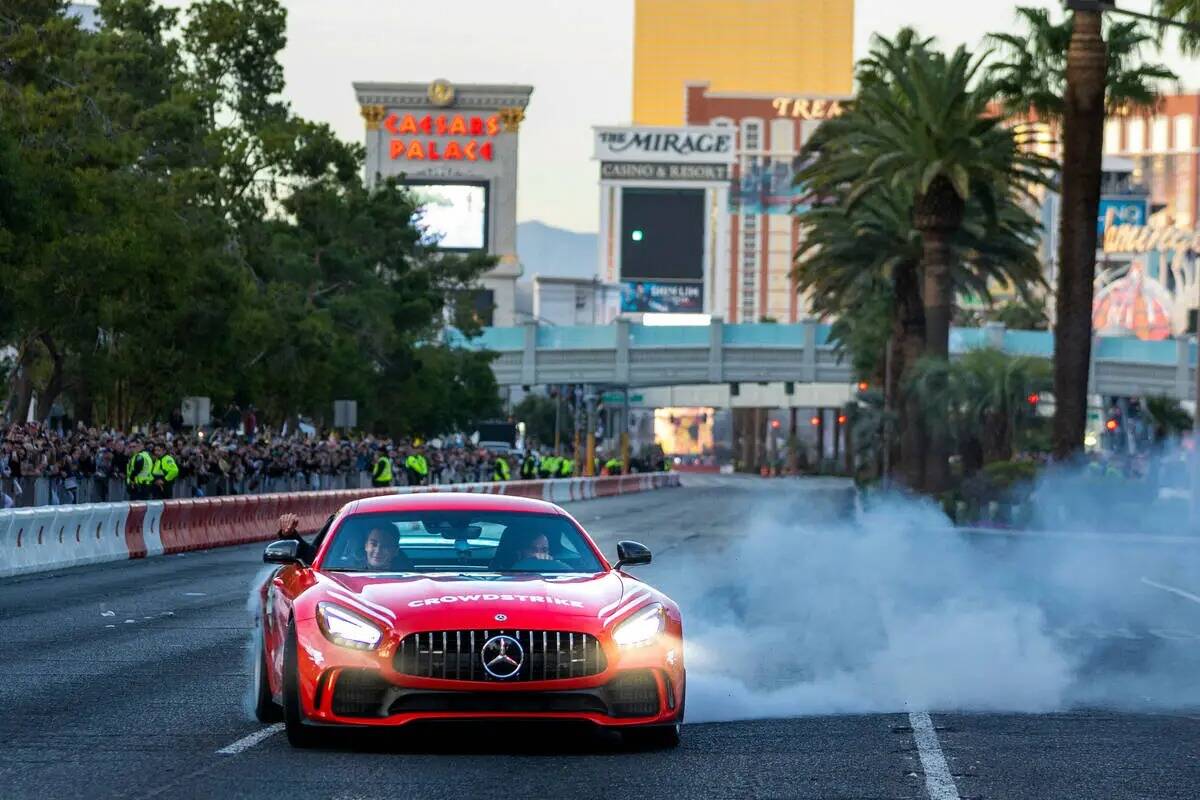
<point x="643" y="356"/>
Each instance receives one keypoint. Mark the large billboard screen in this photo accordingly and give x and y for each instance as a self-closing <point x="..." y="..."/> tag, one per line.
<point x="768" y="189"/>
<point x="662" y="234"/>
<point x="662" y="297"/>
<point x="453" y="216"/>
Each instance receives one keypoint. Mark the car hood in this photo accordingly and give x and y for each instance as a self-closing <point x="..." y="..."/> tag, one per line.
<point x="425" y="601"/>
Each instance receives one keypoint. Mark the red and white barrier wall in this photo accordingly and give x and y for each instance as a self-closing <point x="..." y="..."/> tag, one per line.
<point x="54" y="537"/>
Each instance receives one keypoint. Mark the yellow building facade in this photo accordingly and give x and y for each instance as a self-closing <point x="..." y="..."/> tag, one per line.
<point x="745" y="46"/>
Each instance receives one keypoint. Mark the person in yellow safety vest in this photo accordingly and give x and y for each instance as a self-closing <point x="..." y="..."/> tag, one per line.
<point x="548" y="468"/>
<point x="500" y="469"/>
<point x="529" y="466"/>
<point x="566" y="467"/>
<point x="164" y="471"/>
<point x="139" y="474"/>
<point x="613" y="466"/>
<point x="417" y="468"/>
<point x="381" y="472"/>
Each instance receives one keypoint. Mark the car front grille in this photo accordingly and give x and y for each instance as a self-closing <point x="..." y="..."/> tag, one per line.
<point x="457" y="655"/>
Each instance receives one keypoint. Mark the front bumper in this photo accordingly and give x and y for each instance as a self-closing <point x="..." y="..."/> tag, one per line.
<point x="338" y="686"/>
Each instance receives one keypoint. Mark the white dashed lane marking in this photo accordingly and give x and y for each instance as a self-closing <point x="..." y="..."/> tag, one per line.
<point x="246" y="742"/>
<point x="1173" y="590"/>
<point x="938" y="781"/>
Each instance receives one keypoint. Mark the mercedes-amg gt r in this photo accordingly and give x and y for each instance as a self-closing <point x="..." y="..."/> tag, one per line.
<point x="447" y="606"/>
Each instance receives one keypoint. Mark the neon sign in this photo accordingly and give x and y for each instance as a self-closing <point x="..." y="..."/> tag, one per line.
<point x="805" y="108"/>
<point x="453" y="150"/>
<point x="417" y="149"/>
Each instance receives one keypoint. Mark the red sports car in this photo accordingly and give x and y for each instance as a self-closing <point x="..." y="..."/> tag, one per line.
<point x="446" y="606"/>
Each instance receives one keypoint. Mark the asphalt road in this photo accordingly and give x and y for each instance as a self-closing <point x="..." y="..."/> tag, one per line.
<point x="128" y="679"/>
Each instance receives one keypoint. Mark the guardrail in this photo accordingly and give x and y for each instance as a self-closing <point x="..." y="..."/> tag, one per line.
<point x="56" y="537"/>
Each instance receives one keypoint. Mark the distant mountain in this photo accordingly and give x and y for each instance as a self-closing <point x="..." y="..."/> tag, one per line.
<point x="556" y="252"/>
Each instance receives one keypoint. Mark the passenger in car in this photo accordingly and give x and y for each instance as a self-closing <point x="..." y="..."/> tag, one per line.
<point x="519" y="547"/>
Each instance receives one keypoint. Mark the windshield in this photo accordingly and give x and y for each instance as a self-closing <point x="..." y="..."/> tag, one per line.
<point x="458" y="541"/>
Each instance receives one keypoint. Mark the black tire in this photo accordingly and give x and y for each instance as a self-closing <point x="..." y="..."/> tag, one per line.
<point x="266" y="710"/>
<point x="298" y="734"/>
<point x="653" y="737"/>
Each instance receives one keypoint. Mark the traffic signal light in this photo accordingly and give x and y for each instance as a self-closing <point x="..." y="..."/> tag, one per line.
<point x="815" y="421"/>
<point x="1113" y="425"/>
<point x="1033" y="399"/>
<point x="863" y="386"/>
<point x="775" y="424"/>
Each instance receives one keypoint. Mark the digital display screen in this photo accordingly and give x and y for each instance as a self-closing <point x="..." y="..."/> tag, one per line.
<point x="453" y="216"/>
<point x="662" y="234"/>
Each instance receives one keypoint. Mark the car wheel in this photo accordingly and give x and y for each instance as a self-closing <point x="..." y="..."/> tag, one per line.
<point x="298" y="734"/>
<point x="653" y="737"/>
<point x="265" y="708"/>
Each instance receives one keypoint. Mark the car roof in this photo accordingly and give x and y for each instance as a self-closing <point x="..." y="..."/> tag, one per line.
<point x="449" y="501"/>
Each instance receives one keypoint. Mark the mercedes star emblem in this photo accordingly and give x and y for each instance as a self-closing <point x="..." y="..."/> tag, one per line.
<point x="501" y="617"/>
<point x="502" y="656"/>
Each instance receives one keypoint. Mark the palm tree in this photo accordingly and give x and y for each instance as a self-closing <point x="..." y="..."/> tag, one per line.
<point x="918" y="149"/>
<point x="859" y="266"/>
<point x="1030" y="74"/>
<point x="921" y="123"/>
<point x="1186" y="13"/>
<point x="980" y="401"/>
<point x="1066" y="73"/>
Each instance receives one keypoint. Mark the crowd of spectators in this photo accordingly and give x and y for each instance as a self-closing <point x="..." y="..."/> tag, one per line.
<point x="87" y="464"/>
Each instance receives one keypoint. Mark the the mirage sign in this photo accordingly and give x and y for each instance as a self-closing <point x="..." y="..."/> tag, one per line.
<point x="707" y="145"/>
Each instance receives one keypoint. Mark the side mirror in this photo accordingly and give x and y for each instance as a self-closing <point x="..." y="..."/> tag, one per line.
<point x="631" y="554"/>
<point x="284" y="551"/>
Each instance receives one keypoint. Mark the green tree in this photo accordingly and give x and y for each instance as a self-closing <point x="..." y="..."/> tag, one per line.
<point x="1022" y="315"/>
<point x="1072" y="74"/>
<point x="538" y="412"/>
<point x="1067" y="74"/>
<point x="921" y="122"/>
<point x="168" y="226"/>
<point x="1186" y="13"/>
<point x="1168" y="418"/>
<point x="923" y="195"/>
<point x="981" y="401"/>
<point x="1030" y="70"/>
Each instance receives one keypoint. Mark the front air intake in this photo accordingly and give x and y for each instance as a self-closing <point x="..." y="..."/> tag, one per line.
<point x="359" y="693"/>
<point x="458" y="655"/>
<point x="633" y="694"/>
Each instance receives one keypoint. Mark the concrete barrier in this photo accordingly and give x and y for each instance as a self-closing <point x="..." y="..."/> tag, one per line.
<point x="56" y="537"/>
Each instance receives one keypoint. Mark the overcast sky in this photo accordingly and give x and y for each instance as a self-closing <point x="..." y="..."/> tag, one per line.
<point x="577" y="54"/>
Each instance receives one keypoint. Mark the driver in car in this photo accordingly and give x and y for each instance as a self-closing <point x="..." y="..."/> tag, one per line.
<point x="537" y="548"/>
<point x="382" y="552"/>
<point x="526" y="551"/>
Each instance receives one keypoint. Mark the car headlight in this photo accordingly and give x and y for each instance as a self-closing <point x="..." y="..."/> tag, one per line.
<point x="345" y="628"/>
<point x="642" y="628"/>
